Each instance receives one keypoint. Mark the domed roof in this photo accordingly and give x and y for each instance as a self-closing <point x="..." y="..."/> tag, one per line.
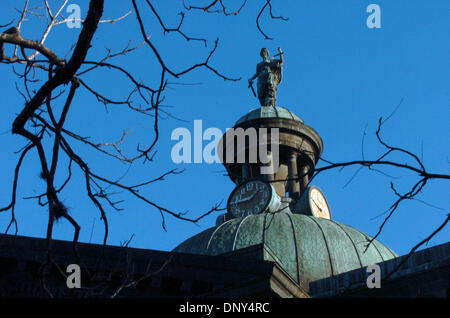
<point x="306" y="247"/>
<point x="269" y="112"/>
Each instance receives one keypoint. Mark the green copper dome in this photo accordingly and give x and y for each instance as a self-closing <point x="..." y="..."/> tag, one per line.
<point x="306" y="247"/>
<point x="269" y="112"/>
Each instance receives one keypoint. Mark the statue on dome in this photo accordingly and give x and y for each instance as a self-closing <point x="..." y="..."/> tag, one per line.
<point x="269" y="74"/>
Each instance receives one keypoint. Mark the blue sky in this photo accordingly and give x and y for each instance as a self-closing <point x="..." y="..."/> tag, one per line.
<point x="339" y="77"/>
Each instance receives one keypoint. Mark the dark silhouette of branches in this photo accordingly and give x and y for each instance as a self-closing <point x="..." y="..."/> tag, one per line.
<point x="269" y="5"/>
<point x="63" y="77"/>
<point x="177" y="29"/>
<point x="411" y="252"/>
<point x="61" y="72"/>
<point x="419" y="170"/>
<point x="218" y="6"/>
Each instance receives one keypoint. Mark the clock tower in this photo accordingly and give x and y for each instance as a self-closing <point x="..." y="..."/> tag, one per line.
<point x="298" y="149"/>
<point x="274" y="159"/>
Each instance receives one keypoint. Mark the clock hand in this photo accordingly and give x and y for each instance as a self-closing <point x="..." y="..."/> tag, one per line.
<point x="317" y="205"/>
<point x="251" y="197"/>
<point x="244" y="199"/>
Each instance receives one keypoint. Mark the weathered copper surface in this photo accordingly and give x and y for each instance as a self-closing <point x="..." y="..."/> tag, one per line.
<point x="308" y="248"/>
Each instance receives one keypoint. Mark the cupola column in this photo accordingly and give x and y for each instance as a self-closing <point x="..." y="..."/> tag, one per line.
<point x="270" y="176"/>
<point x="294" y="188"/>
<point x="245" y="172"/>
<point x="304" y="180"/>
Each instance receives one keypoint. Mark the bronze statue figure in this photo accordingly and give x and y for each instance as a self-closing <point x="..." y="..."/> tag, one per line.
<point x="269" y="74"/>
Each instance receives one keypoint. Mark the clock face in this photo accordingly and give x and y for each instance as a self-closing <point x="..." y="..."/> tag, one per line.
<point x="252" y="197"/>
<point x="318" y="204"/>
